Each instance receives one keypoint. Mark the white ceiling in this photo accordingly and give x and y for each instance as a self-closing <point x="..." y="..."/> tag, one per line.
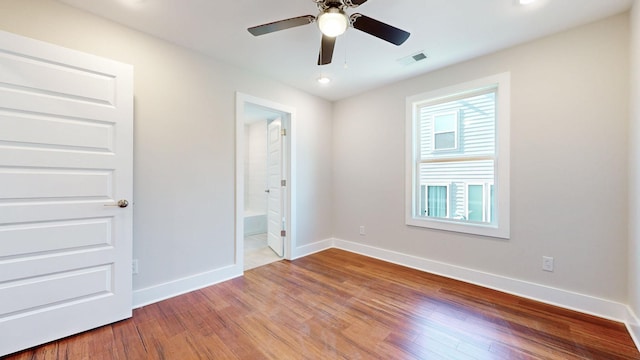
<point x="448" y="31"/>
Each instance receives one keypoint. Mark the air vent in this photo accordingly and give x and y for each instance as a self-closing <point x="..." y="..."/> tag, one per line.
<point x="418" y="57"/>
<point x="413" y="58"/>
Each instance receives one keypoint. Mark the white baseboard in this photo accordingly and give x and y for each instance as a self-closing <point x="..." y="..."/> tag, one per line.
<point x="570" y="300"/>
<point x="633" y="325"/>
<point x="152" y="294"/>
<point x="312" y="248"/>
<point x="156" y="293"/>
<point x="562" y="298"/>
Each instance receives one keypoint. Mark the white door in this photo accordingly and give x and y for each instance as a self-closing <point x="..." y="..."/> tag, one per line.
<point x="275" y="220"/>
<point x="65" y="157"/>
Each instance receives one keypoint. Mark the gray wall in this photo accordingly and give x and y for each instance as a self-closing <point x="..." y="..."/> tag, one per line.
<point x="569" y="155"/>
<point x="569" y="124"/>
<point x="184" y="140"/>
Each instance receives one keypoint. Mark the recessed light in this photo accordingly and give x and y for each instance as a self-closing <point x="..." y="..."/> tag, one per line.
<point x="324" y="80"/>
<point x="526" y="2"/>
<point x="133" y="3"/>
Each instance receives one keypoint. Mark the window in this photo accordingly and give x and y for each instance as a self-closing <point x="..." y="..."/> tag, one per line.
<point x="458" y="158"/>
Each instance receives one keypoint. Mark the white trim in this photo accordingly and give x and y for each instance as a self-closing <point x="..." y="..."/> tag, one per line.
<point x="500" y="83"/>
<point x="156" y="293"/>
<point x="633" y="326"/>
<point x="239" y="190"/>
<point x="488" y="196"/>
<point x="289" y="120"/>
<point x="313" y="248"/>
<point x="566" y="299"/>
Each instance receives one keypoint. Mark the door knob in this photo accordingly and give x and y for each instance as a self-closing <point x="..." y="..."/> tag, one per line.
<point x="121" y="203"/>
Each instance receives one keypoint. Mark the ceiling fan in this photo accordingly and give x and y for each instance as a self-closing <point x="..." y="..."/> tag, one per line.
<point x="333" y="21"/>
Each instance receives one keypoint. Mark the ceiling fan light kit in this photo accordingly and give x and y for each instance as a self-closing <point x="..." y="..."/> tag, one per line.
<point x="333" y="22"/>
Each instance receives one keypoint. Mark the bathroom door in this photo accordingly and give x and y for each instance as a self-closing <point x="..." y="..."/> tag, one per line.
<point x="275" y="202"/>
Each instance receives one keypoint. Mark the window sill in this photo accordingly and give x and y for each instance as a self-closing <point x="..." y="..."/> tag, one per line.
<point x="460" y="227"/>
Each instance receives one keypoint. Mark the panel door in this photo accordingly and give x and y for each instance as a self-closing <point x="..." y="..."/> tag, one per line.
<point x="275" y="221"/>
<point x="66" y="133"/>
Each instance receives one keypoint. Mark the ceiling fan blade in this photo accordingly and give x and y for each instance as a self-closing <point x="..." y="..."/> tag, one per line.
<point x="281" y="25"/>
<point x="354" y="3"/>
<point x="326" y="50"/>
<point x="379" y="29"/>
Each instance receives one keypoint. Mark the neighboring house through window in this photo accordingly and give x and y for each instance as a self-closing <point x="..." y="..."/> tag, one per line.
<point x="458" y="158"/>
<point x="434" y="201"/>
<point x="479" y="202"/>
<point x="445" y="131"/>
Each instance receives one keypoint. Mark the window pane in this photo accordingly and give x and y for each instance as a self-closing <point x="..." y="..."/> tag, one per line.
<point x="475" y="132"/>
<point x="475" y="201"/>
<point x="445" y="141"/>
<point x="457" y="174"/>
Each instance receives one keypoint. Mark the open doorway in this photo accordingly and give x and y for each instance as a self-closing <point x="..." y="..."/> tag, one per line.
<point x="263" y="181"/>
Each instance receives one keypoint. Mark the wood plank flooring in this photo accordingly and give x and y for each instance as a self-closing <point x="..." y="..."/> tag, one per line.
<point x="339" y="305"/>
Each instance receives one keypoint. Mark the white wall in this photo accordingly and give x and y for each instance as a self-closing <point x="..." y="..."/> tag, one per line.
<point x="634" y="169"/>
<point x="568" y="171"/>
<point x="184" y="140"/>
<point x="569" y="155"/>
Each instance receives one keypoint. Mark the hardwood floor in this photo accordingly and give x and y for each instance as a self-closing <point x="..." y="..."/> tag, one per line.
<point x="338" y="305"/>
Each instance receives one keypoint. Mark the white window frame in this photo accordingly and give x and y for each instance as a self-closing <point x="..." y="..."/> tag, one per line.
<point x="446" y="185"/>
<point x="489" y="212"/>
<point x="500" y="228"/>
<point x="455" y="130"/>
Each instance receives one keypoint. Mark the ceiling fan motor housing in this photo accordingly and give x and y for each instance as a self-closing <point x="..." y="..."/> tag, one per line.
<point x="325" y="4"/>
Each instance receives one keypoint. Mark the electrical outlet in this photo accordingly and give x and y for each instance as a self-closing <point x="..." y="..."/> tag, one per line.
<point x="362" y="230"/>
<point x="134" y="267"/>
<point x="547" y="263"/>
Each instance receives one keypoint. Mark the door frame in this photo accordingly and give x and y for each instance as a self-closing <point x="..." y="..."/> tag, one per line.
<point x="289" y="123"/>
